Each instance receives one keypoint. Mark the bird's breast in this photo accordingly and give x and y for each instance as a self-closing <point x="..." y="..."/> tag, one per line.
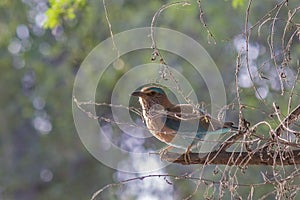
<point x="156" y="125"/>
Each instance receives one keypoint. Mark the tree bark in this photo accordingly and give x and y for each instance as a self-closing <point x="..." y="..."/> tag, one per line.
<point x="235" y="158"/>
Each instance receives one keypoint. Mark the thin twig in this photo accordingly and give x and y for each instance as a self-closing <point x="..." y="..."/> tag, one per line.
<point x="293" y="87"/>
<point x="240" y="107"/>
<point x="293" y="116"/>
<point x="156" y="15"/>
<point x="210" y="35"/>
<point x="247" y="35"/>
<point x="271" y="45"/>
<point x="110" y="28"/>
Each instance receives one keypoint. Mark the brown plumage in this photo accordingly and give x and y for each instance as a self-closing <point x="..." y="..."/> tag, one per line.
<point x="163" y="118"/>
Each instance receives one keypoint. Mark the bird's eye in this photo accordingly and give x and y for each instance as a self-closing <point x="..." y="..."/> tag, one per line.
<point x="151" y="93"/>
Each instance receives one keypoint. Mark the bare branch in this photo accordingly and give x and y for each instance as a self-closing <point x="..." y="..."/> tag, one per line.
<point x="210" y="35"/>
<point x="234" y="158"/>
<point x="156" y="15"/>
<point x="291" y="118"/>
<point x="110" y="28"/>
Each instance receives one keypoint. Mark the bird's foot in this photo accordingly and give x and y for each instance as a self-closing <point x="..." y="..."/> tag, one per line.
<point x="164" y="151"/>
<point x="186" y="155"/>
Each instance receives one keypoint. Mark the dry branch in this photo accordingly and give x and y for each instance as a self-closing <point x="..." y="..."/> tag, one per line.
<point x="263" y="157"/>
<point x="293" y="116"/>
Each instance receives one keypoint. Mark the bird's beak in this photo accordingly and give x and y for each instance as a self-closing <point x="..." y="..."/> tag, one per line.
<point x="137" y="94"/>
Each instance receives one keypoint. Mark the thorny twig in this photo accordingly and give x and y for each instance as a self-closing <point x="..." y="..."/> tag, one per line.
<point x="291" y="118"/>
<point x="110" y="28"/>
<point x="272" y="51"/>
<point x="210" y="35"/>
<point x="180" y="177"/>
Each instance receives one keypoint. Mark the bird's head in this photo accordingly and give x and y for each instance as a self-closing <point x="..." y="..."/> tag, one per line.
<point x="152" y="95"/>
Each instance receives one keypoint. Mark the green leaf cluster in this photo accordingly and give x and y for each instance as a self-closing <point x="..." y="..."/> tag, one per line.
<point x="62" y="9"/>
<point x="237" y="3"/>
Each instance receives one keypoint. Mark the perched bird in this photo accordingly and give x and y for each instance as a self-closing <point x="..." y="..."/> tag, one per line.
<point x="182" y="125"/>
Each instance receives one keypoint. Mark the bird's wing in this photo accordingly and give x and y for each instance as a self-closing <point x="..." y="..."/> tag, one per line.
<point x="186" y="108"/>
<point x="185" y="118"/>
<point x="194" y="128"/>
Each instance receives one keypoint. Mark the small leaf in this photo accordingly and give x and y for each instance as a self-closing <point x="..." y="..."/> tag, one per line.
<point x="237" y="3"/>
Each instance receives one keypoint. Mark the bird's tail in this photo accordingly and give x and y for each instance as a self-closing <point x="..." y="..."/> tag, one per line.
<point x="230" y="125"/>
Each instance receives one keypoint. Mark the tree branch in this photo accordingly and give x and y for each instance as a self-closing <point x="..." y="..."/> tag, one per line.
<point x="263" y="157"/>
<point x="293" y="116"/>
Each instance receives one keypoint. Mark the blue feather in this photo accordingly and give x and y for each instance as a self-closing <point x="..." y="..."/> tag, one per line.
<point x="216" y="132"/>
<point x="156" y="89"/>
<point x="175" y="124"/>
<point x="188" y="127"/>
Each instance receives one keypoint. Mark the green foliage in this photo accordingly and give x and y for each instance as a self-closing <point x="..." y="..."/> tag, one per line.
<point x="62" y="9"/>
<point x="237" y="3"/>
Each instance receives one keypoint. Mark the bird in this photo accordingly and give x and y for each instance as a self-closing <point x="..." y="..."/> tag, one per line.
<point x="178" y="125"/>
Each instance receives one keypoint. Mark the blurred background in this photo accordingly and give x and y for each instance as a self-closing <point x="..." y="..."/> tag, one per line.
<point x="42" y="45"/>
